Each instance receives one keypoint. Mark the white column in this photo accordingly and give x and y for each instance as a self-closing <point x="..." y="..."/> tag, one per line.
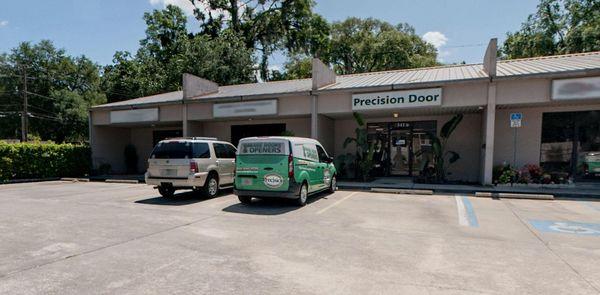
<point x="490" y="124"/>
<point x="184" y="120"/>
<point x="314" y="117"/>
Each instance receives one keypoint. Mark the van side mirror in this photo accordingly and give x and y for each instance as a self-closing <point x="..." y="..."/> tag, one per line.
<point x="329" y="160"/>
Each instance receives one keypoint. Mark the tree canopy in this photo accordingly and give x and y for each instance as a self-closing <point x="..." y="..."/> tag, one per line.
<point x="168" y="51"/>
<point x="557" y="27"/>
<point x="60" y="91"/>
<point x="233" y="43"/>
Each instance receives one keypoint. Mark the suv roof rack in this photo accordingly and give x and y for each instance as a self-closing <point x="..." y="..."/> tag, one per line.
<point x="194" y="138"/>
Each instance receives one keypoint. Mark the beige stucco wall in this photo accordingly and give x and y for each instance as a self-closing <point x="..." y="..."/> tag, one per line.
<point x="171" y="113"/>
<point x="108" y="145"/>
<point x="455" y="95"/>
<point x="141" y="138"/>
<point x="529" y="136"/>
<point x="326" y="133"/>
<point x="286" y="106"/>
<point x="523" y="91"/>
<point x="100" y="117"/>
<point x="222" y="129"/>
<point x="466" y="140"/>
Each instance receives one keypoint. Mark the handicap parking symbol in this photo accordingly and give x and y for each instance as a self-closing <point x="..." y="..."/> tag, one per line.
<point x="567" y="227"/>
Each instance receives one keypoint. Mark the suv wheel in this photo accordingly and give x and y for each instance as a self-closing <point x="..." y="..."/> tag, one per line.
<point x="333" y="184"/>
<point x="211" y="187"/>
<point x="166" y="191"/>
<point x="301" y="200"/>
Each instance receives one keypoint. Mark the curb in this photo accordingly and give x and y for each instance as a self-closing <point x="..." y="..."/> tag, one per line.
<point x="526" y="196"/>
<point x="30" y="180"/>
<point x="72" y="179"/>
<point x="121" y="181"/>
<point x="514" y="196"/>
<point x="402" y="191"/>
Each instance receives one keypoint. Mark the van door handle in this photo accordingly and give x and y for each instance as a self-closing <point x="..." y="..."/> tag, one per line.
<point x="268" y="168"/>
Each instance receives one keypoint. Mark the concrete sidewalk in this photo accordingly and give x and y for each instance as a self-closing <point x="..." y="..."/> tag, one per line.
<point x="582" y="190"/>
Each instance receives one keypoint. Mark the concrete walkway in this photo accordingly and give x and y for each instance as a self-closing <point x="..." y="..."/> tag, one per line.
<point x="579" y="190"/>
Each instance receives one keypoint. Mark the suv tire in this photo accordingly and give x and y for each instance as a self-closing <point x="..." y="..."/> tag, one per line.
<point x="303" y="195"/>
<point x="166" y="191"/>
<point x="211" y="186"/>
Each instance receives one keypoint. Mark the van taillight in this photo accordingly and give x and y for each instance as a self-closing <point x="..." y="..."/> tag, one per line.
<point x="291" y="166"/>
<point x="193" y="167"/>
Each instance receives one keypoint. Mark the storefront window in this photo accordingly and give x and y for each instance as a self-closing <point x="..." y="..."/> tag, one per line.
<point x="570" y="144"/>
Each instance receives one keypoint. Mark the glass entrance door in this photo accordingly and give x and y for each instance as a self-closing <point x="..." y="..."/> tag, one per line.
<point x="401" y="152"/>
<point x="401" y="148"/>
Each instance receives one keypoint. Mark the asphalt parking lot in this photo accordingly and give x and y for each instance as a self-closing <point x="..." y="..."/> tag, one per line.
<point x="80" y="238"/>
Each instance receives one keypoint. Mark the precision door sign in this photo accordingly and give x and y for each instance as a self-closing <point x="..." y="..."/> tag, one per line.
<point x="397" y="99"/>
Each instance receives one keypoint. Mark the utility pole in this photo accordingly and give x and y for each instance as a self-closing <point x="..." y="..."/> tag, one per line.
<point x="25" y="113"/>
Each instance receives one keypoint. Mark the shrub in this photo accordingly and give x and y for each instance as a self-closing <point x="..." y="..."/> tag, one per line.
<point x="43" y="160"/>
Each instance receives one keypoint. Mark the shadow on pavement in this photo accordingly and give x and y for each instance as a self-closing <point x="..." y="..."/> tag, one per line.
<point x="180" y="199"/>
<point x="271" y="206"/>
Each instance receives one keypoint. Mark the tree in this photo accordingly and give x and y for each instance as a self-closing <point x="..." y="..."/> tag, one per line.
<point x="168" y="51"/>
<point x="557" y="27"/>
<point x="366" y="45"/>
<point x="296" y="67"/>
<point x="266" y="26"/>
<point x="60" y="89"/>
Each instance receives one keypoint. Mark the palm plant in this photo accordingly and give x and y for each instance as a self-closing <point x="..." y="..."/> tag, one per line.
<point x="439" y="151"/>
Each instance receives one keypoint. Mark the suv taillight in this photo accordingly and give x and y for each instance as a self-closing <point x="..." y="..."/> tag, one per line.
<point x="193" y="167"/>
<point x="291" y="166"/>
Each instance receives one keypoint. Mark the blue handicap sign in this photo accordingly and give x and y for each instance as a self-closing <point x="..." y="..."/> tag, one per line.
<point x="567" y="227"/>
<point x="516" y="116"/>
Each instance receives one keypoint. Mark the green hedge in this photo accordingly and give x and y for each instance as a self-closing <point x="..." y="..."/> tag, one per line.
<point x="43" y="160"/>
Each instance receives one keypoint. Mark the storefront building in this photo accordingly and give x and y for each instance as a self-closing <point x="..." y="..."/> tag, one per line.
<point x="554" y="104"/>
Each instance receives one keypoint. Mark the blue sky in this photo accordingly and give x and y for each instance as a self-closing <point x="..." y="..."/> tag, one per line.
<point x="98" y="28"/>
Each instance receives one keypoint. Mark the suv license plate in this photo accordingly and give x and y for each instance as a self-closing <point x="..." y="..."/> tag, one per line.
<point x="170" y="172"/>
<point x="246" y="181"/>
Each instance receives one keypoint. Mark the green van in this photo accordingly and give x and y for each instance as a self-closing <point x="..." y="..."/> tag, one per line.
<point x="282" y="167"/>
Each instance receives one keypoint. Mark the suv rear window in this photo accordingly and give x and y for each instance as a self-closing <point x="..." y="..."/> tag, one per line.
<point x="262" y="147"/>
<point x="180" y="150"/>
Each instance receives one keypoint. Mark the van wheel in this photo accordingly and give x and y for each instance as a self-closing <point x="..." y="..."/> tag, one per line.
<point x="333" y="184"/>
<point x="301" y="200"/>
<point x="245" y="200"/>
<point x="211" y="187"/>
<point x="166" y="191"/>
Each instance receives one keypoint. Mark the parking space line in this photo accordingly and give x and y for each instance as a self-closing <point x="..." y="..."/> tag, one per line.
<point x="337" y="203"/>
<point x="466" y="213"/>
<point x="590" y="205"/>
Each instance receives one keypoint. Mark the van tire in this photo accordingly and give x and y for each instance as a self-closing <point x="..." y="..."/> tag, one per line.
<point x="245" y="200"/>
<point x="333" y="184"/>
<point x="166" y="191"/>
<point x="211" y="186"/>
<point x="302" y="195"/>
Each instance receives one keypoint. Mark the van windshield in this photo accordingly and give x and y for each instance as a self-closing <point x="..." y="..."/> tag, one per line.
<point x="262" y="147"/>
<point x="172" y="150"/>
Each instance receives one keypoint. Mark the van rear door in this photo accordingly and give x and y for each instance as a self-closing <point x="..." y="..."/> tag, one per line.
<point x="262" y="164"/>
<point x="170" y="159"/>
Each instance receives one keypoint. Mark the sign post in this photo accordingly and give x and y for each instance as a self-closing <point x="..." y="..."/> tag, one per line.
<point x="515" y="123"/>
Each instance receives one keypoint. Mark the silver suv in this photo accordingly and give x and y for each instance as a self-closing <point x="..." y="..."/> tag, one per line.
<point x="198" y="163"/>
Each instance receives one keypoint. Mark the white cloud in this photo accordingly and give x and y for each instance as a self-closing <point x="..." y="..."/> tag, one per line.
<point x="3" y="23"/>
<point x="185" y="5"/>
<point x="436" y="39"/>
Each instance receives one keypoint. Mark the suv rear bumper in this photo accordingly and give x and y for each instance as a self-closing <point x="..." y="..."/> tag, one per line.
<point x="196" y="180"/>
<point x="292" y="193"/>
